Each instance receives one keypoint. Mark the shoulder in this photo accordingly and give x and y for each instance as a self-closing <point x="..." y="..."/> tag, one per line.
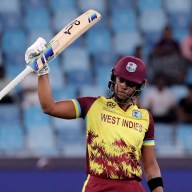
<point x="145" y="112"/>
<point x="87" y="99"/>
<point x="83" y="104"/>
<point x="141" y="108"/>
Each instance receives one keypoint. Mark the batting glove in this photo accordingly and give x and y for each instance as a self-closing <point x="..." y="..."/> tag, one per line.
<point x="33" y="51"/>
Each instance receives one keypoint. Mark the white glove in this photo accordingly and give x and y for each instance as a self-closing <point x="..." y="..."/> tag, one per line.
<point x="33" y="51"/>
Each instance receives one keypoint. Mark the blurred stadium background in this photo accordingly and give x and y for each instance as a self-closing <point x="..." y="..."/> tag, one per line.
<point x="42" y="153"/>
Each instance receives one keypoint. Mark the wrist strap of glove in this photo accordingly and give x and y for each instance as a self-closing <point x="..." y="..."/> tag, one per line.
<point x="154" y="183"/>
<point x="45" y="70"/>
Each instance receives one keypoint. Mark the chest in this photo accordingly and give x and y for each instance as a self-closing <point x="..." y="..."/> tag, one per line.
<point x="110" y="125"/>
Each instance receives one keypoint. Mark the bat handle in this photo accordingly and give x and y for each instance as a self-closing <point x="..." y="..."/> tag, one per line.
<point x="40" y="61"/>
<point x="15" y="81"/>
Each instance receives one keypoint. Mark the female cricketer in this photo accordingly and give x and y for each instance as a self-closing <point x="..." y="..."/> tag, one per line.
<point x="120" y="135"/>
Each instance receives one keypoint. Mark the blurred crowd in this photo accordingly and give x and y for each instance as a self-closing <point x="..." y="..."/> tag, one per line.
<point x="169" y="64"/>
<point x="170" y="95"/>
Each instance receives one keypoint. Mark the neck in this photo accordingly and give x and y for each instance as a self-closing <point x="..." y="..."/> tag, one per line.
<point x="123" y="104"/>
<point x="124" y="107"/>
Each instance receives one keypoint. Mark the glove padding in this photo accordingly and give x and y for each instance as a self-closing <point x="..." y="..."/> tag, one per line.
<point x="33" y="51"/>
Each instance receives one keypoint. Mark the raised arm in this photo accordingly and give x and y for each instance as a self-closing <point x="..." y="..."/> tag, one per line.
<point x="61" y="109"/>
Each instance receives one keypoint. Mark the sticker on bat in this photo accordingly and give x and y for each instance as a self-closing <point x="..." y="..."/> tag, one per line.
<point x="92" y="17"/>
<point x="70" y="26"/>
<point x="49" y="54"/>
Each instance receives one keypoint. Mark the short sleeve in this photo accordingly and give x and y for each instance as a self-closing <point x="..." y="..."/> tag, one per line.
<point x="149" y="135"/>
<point x="82" y="105"/>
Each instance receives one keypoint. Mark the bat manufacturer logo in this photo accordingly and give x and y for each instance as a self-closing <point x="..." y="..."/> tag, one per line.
<point x="70" y="26"/>
<point x="92" y="17"/>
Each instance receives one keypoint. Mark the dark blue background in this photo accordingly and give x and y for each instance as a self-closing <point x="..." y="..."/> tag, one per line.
<point x="175" y="180"/>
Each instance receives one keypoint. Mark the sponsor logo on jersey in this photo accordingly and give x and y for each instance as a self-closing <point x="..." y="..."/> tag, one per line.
<point x="111" y="104"/>
<point x="137" y="114"/>
<point x="131" y="67"/>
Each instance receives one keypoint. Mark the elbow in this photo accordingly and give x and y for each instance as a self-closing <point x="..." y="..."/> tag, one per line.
<point x="47" y="109"/>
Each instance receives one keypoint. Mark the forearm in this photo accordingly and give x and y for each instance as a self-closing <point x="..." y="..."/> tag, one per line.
<point x="152" y="171"/>
<point x="44" y="93"/>
<point x="153" y="176"/>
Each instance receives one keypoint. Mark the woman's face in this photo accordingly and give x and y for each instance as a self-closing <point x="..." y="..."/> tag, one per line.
<point x="124" y="89"/>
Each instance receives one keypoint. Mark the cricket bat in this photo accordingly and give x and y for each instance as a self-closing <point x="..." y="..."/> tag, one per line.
<point x="57" y="44"/>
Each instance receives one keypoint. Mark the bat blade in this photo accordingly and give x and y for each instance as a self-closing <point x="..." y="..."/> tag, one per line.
<point x="57" y="44"/>
<point x="65" y="37"/>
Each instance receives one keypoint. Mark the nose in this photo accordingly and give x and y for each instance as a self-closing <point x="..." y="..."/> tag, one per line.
<point x="123" y="85"/>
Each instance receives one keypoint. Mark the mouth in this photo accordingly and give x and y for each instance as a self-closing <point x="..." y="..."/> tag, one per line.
<point x="122" y="94"/>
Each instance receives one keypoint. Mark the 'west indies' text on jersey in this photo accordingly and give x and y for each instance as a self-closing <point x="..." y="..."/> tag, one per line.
<point x="114" y="137"/>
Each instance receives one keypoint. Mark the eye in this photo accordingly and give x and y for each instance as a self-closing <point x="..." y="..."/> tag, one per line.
<point x="131" y="84"/>
<point x="121" y="80"/>
<point x="128" y="83"/>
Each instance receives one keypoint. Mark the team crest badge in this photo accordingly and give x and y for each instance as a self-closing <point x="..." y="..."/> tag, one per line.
<point x="137" y="114"/>
<point x="131" y="67"/>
